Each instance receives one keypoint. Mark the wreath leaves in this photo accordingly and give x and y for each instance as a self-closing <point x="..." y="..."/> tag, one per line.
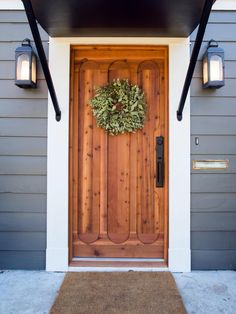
<point x="119" y="107"/>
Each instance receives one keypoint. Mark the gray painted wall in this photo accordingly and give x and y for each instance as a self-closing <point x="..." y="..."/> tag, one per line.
<point x="23" y="141"/>
<point x="213" y="120"/>
<point x="23" y="149"/>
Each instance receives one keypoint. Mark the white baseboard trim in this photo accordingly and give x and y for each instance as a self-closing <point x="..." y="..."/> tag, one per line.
<point x="57" y="259"/>
<point x="180" y="260"/>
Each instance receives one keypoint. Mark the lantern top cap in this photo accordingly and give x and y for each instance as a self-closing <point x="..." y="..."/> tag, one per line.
<point x="213" y="48"/>
<point x="212" y="43"/>
<point x="26" y="42"/>
<point x="25" y="47"/>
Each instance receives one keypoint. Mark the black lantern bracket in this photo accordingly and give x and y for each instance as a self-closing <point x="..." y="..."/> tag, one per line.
<point x="199" y="38"/>
<point x="41" y="54"/>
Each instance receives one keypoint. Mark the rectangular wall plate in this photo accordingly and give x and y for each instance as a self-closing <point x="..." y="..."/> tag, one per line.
<point x="210" y="164"/>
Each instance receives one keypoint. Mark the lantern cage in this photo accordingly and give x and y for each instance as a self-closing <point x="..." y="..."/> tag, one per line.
<point x="26" y="66"/>
<point x="213" y="66"/>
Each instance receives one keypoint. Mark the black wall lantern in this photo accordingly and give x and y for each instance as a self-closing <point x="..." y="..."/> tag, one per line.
<point x="213" y="66"/>
<point x="26" y="66"/>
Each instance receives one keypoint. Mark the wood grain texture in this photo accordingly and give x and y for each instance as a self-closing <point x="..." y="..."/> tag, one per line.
<point x="117" y="263"/>
<point x="115" y="208"/>
<point x="118" y="171"/>
<point x="149" y="207"/>
<point x="88" y="170"/>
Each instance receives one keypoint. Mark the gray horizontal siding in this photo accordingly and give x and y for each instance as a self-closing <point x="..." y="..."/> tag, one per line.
<point x="15" y="31"/>
<point x="214" y="222"/>
<point x="213" y="125"/>
<point x="213" y="121"/>
<point x="7" y="70"/>
<point x="12" y="17"/>
<point x="8" y="89"/>
<point x="213" y="144"/>
<point x="224" y="17"/>
<point x="28" y="202"/>
<point x="23" y="184"/>
<point x="230" y="69"/>
<point x="229" y="90"/>
<point x="213" y="202"/>
<point x="7" y="49"/>
<point x="213" y="183"/>
<point x="23" y="108"/>
<point x="23" y="127"/>
<point x="219" y="31"/>
<point x="220" y="106"/>
<point x="23" y="165"/>
<point x="214" y="240"/>
<point x="230" y="158"/>
<point x="31" y="260"/>
<point x="23" y="146"/>
<point x="229" y="48"/>
<point x="25" y="241"/>
<point x="22" y="222"/>
<point x="23" y="151"/>
<point x="213" y="260"/>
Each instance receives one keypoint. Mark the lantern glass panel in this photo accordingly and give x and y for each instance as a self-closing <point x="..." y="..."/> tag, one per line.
<point x="23" y="67"/>
<point x="216" y="68"/>
<point x="205" y="71"/>
<point x="33" y="69"/>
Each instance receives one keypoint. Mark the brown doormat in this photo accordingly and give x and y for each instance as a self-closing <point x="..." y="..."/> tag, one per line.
<point x="119" y="292"/>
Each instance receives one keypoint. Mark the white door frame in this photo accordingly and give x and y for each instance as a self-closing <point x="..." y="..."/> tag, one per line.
<point x="58" y="144"/>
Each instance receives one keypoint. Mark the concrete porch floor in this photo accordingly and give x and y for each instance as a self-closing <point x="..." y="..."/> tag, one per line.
<point x="33" y="292"/>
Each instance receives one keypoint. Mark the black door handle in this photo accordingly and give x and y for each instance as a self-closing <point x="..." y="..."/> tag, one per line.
<point x="159" y="161"/>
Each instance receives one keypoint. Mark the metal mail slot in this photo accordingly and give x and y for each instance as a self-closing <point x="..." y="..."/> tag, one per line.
<point x="210" y="164"/>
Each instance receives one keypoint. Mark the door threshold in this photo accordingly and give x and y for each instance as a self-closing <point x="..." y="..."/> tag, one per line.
<point x="116" y="269"/>
<point x="118" y="262"/>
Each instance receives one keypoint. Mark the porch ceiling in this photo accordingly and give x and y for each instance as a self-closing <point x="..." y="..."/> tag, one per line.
<point x="75" y="18"/>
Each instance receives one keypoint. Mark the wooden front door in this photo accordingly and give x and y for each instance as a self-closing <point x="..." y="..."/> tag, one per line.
<point x="116" y="209"/>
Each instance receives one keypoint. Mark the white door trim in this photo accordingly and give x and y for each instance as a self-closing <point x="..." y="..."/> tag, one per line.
<point x="58" y="143"/>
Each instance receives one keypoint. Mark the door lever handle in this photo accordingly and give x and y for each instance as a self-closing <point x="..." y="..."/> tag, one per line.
<point x="160" y="161"/>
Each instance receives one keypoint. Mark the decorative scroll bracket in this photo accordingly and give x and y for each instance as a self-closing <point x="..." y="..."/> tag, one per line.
<point x="42" y="57"/>
<point x="199" y="38"/>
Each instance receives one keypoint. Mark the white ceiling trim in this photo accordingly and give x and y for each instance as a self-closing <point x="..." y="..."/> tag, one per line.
<point x="11" y="5"/>
<point x="225" y="5"/>
<point x="17" y="5"/>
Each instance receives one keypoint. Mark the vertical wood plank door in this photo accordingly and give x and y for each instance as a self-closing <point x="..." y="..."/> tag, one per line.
<point x="116" y="210"/>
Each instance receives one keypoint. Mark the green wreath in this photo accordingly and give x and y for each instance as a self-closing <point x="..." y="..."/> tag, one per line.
<point x="119" y="107"/>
